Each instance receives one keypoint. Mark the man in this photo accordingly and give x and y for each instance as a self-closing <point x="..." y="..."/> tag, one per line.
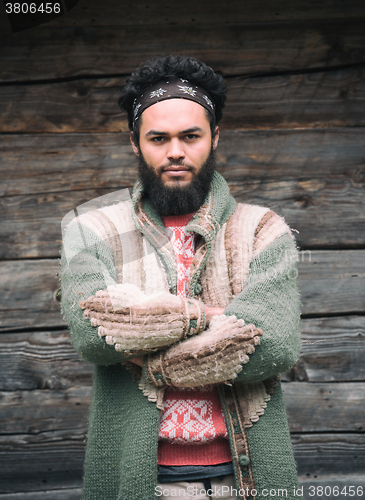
<point x="190" y="318"/>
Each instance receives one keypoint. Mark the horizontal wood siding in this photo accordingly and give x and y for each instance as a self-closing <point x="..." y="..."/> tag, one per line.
<point x="332" y="350"/>
<point x="315" y="178"/>
<point x="236" y="49"/>
<point x="292" y="138"/>
<point x="261" y="102"/>
<point x="334" y="276"/>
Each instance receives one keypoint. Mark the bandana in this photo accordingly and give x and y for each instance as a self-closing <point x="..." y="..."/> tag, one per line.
<point x="171" y="89"/>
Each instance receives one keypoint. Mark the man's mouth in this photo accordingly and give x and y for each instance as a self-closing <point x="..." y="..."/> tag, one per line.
<point x="176" y="170"/>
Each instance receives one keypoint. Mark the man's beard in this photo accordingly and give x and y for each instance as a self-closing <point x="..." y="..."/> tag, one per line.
<point x="177" y="200"/>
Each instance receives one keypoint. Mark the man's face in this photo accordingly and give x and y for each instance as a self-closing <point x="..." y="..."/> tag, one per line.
<point x="176" y="155"/>
<point x="175" y="140"/>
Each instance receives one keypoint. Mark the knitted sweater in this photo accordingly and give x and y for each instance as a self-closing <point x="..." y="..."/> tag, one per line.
<point x="190" y="416"/>
<point x="245" y="263"/>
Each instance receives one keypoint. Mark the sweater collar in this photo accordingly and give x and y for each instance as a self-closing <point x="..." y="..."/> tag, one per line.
<point x="177" y="220"/>
<point x="218" y="206"/>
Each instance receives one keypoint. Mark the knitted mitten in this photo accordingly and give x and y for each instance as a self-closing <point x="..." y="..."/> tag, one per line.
<point x="135" y="322"/>
<point x="216" y="355"/>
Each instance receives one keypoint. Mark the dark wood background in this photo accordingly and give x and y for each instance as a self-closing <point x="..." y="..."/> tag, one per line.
<point x="292" y="138"/>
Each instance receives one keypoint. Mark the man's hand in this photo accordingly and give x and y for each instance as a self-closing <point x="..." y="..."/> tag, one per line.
<point x="213" y="356"/>
<point x="137" y="361"/>
<point x="136" y="322"/>
<point x="209" y="312"/>
<point x="212" y="311"/>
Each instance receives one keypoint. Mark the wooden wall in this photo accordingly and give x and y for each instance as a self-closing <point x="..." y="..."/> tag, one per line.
<point x="292" y="138"/>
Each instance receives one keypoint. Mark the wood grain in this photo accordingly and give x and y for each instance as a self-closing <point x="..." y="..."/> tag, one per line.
<point x="31" y="225"/>
<point x="332" y="349"/>
<point x="328" y="277"/>
<point x="53" y="163"/>
<point x="321" y="99"/>
<point x="262" y="102"/>
<point x="325" y="407"/>
<point x="58" y="461"/>
<point x="41" y="360"/>
<point x="326" y="454"/>
<point x="311" y="408"/>
<point x="233" y="50"/>
<point x="330" y="282"/>
<point x="56" y="163"/>
<point x="29" y="294"/>
<point x="50" y="494"/>
<point x="142" y="13"/>
<point x="315" y="179"/>
<point x="45" y="412"/>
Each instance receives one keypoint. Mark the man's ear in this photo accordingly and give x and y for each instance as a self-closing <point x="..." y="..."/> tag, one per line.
<point x="215" y="137"/>
<point x="134" y="144"/>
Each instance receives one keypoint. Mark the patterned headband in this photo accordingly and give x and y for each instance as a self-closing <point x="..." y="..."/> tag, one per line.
<point x="171" y="89"/>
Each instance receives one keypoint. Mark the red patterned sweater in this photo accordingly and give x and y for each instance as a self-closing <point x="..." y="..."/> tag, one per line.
<point x="192" y="427"/>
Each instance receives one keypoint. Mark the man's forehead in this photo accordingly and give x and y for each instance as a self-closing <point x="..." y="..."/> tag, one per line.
<point x="170" y="89"/>
<point x="174" y="114"/>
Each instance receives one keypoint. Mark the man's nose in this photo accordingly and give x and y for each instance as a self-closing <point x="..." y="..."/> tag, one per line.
<point x="176" y="149"/>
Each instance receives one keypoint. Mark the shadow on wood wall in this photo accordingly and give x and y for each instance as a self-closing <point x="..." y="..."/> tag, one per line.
<point x="292" y="138"/>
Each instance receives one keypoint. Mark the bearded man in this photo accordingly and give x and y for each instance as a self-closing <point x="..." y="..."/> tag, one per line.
<point x="190" y="319"/>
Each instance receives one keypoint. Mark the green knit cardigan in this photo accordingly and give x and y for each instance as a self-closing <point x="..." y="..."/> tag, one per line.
<point x="122" y="440"/>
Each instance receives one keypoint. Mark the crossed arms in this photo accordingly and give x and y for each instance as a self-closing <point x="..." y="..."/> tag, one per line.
<point x="183" y="343"/>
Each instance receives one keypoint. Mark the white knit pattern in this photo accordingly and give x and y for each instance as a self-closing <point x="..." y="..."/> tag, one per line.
<point x="184" y="246"/>
<point x="194" y="418"/>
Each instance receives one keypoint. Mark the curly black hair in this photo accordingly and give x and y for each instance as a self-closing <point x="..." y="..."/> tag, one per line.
<point x="188" y="68"/>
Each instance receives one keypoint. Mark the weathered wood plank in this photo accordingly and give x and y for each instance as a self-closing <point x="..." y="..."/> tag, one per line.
<point x="31" y="225"/>
<point x="332" y="273"/>
<point x="33" y="468"/>
<point x="302" y="175"/>
<point x="142" y="13"/>
<point x="41" y="360"/>
<point x="326" y="454"/>
<point x="319" y="407"/>
<point x="55" y="461"/>
<point x="330" y="282"/>
<point x="29" y="294"/>
<point x="55" y="163"/>
<point x="63" y="494"/>
<point x="45" y="411"/>
<point x="49" y="460"/>
<point x="325" y="407"/>
<point x="333" y="349"/>
<point x="39" y="54"/>
<point x="296" y="101"/>
<point x="37" y="163"/>
<point x="285" y="101"/>
<point x="96" y="98"/>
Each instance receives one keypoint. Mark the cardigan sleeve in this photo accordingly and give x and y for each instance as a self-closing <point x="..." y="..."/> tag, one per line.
<point x="269" y="304"/>
<point x="270" y="300"/>
<point x="87" y="267"/>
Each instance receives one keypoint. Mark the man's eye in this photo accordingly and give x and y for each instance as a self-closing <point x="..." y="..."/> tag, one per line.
<point x="158" y="139"/>
<point x="191" y="137"/>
